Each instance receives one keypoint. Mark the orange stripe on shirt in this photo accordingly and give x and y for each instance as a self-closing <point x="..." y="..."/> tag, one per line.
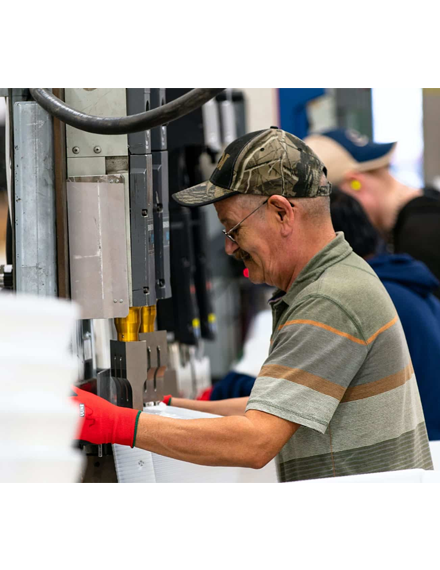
<point x="322" y="326"/>
<point x="381" y="330"/>
<point x="340" y="333"/>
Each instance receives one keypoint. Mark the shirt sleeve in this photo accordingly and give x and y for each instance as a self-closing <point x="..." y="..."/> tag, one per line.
<point x="314" y="357"/>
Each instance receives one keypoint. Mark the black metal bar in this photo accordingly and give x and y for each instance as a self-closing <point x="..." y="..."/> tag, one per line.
<point x="124" y="125"/>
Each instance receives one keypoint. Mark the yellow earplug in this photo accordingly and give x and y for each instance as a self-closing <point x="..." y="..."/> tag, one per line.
<point x="355" y="185"/>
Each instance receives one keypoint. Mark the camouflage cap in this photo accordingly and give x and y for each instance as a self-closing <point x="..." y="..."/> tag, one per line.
<point x="264" y="163"/>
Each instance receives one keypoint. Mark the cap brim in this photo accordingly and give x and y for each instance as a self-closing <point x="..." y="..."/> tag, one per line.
<point x="383" y="155"/>
<point x="202" y="194"/>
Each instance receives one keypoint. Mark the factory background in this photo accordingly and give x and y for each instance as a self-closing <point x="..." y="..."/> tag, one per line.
<point x="197" y="305"/>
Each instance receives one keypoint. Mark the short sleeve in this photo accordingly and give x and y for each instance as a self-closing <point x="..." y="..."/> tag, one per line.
<point x="316" y="352"/>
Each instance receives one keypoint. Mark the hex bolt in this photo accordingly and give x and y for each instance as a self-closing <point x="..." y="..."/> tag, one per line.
<point x="75" y="150"/>
<point x="97" y="149"/>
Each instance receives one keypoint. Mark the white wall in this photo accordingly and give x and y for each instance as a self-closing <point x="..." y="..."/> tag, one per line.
<point x="261" y="108"/>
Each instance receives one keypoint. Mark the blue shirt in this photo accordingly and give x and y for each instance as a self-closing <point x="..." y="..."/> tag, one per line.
<point x="410" y="284"/>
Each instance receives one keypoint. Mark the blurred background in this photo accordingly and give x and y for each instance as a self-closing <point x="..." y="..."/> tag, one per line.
<point x="410" y="116"/>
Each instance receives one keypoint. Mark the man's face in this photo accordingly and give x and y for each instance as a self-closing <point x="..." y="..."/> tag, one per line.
<point x="252" y="240"/>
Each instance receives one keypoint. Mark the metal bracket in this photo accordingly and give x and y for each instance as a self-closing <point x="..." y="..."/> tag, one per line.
<point x="157" y="360"/>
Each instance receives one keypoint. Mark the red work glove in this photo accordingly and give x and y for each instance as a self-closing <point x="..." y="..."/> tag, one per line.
<point x="206" y="394"/>
<point x="167" y="400"/>
<point x="104" y="422"/>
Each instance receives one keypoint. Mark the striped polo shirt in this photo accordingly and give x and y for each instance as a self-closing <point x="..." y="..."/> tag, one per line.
<point x="339" y="367"/>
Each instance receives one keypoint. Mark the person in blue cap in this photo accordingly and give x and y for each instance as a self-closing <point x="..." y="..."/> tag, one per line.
<point x="408" y="218"/>
<point x="410" y="285"/>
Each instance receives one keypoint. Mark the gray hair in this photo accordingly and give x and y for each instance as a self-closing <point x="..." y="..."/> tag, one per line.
<point x="315" y="208"/>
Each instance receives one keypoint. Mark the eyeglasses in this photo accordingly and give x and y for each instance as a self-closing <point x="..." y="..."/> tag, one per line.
<point x="228" y="234"/>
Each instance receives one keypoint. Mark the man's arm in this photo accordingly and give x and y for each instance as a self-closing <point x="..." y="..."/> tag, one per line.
<point x="230" y="407"/>
<point x="251" y="440"/>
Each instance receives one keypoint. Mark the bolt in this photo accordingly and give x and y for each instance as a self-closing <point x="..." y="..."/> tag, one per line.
<point x="75" y="150"/>
<point x="145" y="213"/>
<point x="97" y="149"/>
<point x="115" y="301"/>
<point x="146" y="290"/>
<point x="121" y="300"/>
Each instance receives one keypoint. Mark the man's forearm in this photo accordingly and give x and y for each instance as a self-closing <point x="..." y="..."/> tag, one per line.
<point x="245" y="441"/>
<point x="230" y="407"/>
<point x="232" y="441"/>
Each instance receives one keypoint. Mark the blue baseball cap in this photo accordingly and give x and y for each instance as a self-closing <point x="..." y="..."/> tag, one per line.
<point x="346" y="150"/>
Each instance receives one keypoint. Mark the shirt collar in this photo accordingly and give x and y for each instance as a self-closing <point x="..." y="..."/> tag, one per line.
<point x="335" y="251"/>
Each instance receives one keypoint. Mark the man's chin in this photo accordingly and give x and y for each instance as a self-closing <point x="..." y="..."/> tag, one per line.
<point x="255" y="277"/>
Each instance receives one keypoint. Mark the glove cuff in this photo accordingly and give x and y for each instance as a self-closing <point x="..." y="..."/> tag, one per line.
<point x="167" y="400"/>
<point x="125" y="428"/>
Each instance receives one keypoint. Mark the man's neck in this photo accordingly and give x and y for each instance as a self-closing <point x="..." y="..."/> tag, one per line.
<point x="394" y="200"/>
<point x="307" y="253"/>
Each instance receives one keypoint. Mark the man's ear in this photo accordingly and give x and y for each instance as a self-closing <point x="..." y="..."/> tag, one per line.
<point x="283" y="210"/>
<point x="353" y="182"/>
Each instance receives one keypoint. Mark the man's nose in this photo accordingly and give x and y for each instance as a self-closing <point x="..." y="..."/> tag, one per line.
<point x="230" y="246"/>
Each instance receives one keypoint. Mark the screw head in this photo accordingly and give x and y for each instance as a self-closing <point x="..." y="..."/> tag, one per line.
<point x="115" y="300"/>
<point x="121" y="300"/>
<point x="75" y="150"/>
<point x="97" y="149"/>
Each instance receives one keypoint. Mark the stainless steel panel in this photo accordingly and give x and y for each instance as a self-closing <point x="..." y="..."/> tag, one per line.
<point x="98" y="249"/>
<point x="86" y="166"/>
<point x="34" y="200"/>
<point x="103" y="103"/>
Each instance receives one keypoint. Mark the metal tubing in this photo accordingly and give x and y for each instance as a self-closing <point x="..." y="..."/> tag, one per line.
<point x="124" y="125"/>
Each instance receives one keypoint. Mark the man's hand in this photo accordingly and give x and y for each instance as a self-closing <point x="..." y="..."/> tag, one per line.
<point x="102" y="422"/>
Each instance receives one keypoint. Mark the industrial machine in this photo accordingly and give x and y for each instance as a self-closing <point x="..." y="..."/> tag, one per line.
<point x="91" y="172"/>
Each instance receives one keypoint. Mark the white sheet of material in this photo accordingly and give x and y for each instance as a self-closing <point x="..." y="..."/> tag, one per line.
<point x="38" y="422"/>
<point x="404" y="476"/>
<point x="139" y="466"/>
<point x="434" y="446"/>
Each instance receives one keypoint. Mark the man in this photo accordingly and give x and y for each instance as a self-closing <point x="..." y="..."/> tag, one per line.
<point x="408" y="218"/>
<point x="410" y="285"/>
<point x="337" y="394"/>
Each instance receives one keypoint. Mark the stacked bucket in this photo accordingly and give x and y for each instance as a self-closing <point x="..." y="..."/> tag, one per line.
<point x="38" y="422"/>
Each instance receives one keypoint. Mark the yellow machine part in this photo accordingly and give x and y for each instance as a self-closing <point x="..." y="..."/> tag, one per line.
<point x="128" y="327"/>
<point x="148" y="316"/>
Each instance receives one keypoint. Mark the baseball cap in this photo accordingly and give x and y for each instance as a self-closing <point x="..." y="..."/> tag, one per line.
<point x="344" y="150"/>
<point x="264" y="163"/>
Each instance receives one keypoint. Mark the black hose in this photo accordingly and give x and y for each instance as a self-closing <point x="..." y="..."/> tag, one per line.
<point x="124" y="125"/>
